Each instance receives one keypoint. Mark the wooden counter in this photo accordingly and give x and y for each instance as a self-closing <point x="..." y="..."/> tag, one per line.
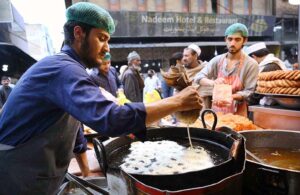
<point x="276" y="117"/>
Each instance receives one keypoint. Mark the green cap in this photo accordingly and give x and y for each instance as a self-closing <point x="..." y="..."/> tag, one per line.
<point x="107" y="56"/>
<point x="237" y="27"/>
<point x="91" y="14"/>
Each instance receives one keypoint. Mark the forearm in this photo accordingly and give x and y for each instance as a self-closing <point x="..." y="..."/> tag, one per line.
<point x="160" y="109"/>
<point x="187" y="99"/>
<point x="206" y="82"/>
<point x="83" y="163"/>
<point x="237" y="97"/>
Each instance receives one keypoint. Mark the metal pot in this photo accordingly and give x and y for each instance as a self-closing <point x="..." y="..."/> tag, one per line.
<point x="223" y="178"/>
<point x="266" y="179"/>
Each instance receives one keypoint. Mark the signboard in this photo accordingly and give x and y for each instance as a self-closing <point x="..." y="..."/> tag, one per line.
<point x="168" y="24"/>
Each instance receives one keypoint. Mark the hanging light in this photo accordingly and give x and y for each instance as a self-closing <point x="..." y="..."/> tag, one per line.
<point x="216" y="52"/>
<point x="4" y="67"/>
<point x="294" y="2"/>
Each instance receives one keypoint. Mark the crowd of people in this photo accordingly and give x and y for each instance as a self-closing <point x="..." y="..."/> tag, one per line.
<point x="58" y="94"/>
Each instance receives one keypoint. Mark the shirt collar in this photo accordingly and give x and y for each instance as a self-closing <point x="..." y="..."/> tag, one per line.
<point x="71" y="52"/>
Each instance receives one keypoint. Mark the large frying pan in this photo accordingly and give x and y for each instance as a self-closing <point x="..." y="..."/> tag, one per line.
<point x="266" y="179"/>
<point x="226" y="148"/>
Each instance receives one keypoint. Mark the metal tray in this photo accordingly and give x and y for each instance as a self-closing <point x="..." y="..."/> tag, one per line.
<point x="278" y="95"/>
<point x="287" y="101"/>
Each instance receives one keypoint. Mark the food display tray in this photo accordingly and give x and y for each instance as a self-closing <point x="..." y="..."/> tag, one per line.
<point x="287" y="101"/>
<point x="278" y="95"/>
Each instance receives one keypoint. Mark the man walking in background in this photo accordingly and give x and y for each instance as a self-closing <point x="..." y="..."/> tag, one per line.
<point x="132" y="81"/>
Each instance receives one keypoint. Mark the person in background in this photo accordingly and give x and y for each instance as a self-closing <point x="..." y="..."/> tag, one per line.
<point x="175" y="60"/>
<point x="287" y="63"/>
<point x="152" y="82"/>
<point x="132" y="81"/>
<point x="122" y="70"/>
<point x="106" y="76"/>
<point x="234" y="68"/>
<point x="5" y="90"/>
<point x="266" y="61"/>
<point x="56" y="94"/>
<point x="296" y="66"/>
<point x="191" y="62"/>
<point x="194" y="65"/>
<point x="168" y="91"/>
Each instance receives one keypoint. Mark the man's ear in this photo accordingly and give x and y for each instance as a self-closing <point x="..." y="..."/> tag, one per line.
<point x="77" y="32"/>
<point x="245" y="40"/>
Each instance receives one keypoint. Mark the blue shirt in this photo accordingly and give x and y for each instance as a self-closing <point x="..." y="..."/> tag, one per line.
<point x="59" y="84"/>
<point x="110" y="82"/>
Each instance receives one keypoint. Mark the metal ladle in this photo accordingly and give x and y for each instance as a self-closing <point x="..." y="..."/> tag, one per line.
<point x="254" y="157"/>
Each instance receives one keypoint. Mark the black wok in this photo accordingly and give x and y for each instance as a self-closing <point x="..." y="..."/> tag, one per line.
<point x="226" y="148"/>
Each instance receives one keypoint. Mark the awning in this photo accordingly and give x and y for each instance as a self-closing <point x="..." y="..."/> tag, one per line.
<point x="17" y="60"/>
<point x="178" y="44"/>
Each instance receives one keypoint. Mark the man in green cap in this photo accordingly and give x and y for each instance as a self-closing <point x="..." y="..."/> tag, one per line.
<point x="234" y="68"/>
<point x="106" y="76"/>
<point x="41" y="117"/>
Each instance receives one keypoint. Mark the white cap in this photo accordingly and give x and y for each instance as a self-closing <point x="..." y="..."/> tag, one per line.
<point x="196" y="48"/>
<point x="255" y="47"/>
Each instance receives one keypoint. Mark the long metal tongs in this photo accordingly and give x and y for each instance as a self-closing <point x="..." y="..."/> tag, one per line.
<point x="85" y="184"/>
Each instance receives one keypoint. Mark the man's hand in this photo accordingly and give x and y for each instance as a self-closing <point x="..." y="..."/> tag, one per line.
<point x="222" y="103"/>
<point x="188" y="99"/>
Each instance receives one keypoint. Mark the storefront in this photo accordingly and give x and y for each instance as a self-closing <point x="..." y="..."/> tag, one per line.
<point x="156" y="35"/>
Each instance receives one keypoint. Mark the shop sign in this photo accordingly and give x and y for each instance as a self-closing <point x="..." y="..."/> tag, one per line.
<point x="166" y="24"/>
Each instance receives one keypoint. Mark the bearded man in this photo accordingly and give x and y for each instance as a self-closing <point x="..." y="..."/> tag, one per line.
<point x="234" y="68"/>
<point x="42" y="115"/>
<point x="132" y="81"/>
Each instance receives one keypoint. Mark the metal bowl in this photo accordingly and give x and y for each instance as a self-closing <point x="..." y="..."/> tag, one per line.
<point x="288" y="102"/>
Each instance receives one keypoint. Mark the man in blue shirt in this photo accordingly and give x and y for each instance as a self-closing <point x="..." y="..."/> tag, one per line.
<point x="106" y="76"/>
<point x="40" y="120"/>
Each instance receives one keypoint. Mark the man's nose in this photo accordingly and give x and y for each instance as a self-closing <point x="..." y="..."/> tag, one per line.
<point x="106" y="47"/>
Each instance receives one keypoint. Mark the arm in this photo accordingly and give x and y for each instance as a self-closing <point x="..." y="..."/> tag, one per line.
<point x="80" y="152"/>
<point x="83" y="164"/>
<point x="186" y="99"/>
<point x="249" y="79"/>
<point x="209" y="73"/>
<point x="78" y="96"/>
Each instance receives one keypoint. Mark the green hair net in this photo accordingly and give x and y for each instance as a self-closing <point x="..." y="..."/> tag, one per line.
<point x="107" y="56"/>
<point x="91" y="14"/>
<point x="237" y="27"/>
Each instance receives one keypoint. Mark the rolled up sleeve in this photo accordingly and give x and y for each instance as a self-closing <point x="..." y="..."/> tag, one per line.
<point x="80" y="142"/>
